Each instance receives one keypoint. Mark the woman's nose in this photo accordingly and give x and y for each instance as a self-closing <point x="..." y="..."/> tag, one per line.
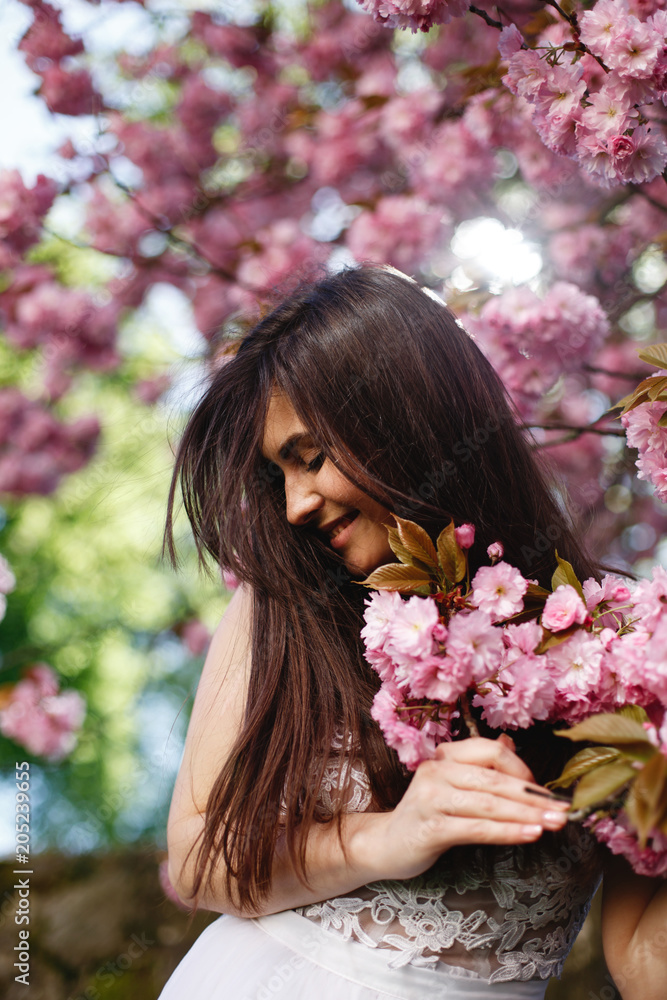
<point x="302" y="502"/>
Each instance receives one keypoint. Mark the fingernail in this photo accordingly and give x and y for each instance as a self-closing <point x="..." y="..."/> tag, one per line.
<point x="531" y="830"/>
<point x="554" y="818"/>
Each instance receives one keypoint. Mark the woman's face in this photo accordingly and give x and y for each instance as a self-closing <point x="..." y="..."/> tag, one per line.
<point x="320" y="496"/>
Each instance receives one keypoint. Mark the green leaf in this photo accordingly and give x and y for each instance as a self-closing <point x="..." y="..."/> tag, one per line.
<point x="663" y="420"/>
<point x="582" y="763"/>
<point x="393" y="576"/>
<point x="534" y="590"/>
<point x="417" y="542"/>
<point x="565" y="574"/>
<point x="450" y="554"/>
<point x="656" y="355"/>
<point x="598" y="785"/>
<point x="607" y="728"/>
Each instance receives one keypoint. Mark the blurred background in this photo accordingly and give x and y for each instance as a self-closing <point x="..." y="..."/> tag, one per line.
<point x="167" y="169"/>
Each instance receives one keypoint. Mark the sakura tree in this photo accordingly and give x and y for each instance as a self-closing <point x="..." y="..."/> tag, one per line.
<point x="240" y="148"/>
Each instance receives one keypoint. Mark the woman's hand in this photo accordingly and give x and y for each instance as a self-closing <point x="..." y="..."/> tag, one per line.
<point x="473" y="792"/>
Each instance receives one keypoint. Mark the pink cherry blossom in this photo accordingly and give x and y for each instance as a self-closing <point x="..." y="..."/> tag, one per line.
<point x="563" y="608"/>
<point x="611" y="591"/>
<point x="495" y="551"/>
<point x="530" y="697"/>
<point x="510" y="41"/>
<point x="465" y="535"/>
<point x="400" y="231"/>
<point x="633" y="49"/>
<point x="525" y="637"/>
<point x="418" y="15"/>
<point x="599" y="25"/>
<point x="410" y="631"/>
<point x="609" y="110"/>
<point x="196" y="637"/>
<point x="617" y="834"/>
<point x="45" y="38"/>
<point x="39" y="718"/>
<point x="475" y="642"/>
<point x="575" y="665"/>
<point x="643" y="432"/>
<point x="382" y="607"/>
<point x="412" y="743"/>
<point x="498" y="590"/>
<point x="230" y="580"/>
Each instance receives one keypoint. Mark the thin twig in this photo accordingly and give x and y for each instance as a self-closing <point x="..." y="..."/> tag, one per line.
<point x="485" y="17"/>
<point x="467" y="715"/>
<point x="590" y="429"/>
<point x="636" y="377"/>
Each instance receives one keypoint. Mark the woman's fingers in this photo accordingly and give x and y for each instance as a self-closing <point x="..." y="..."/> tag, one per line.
<point x="472" y="778"/>
<point x="494" y="754"/>
<point x="487" y="831"/>
<point x="475" y="805"/>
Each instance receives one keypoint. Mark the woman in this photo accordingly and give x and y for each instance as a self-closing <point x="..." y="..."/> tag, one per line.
<point x="339" y="874"/>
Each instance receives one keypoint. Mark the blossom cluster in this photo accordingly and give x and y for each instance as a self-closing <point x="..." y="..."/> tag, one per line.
<point x="36" y="449"/>
<point x="533" y="341"/>
<point x="644" y="432"/>
<point x="593" y="649"/>
<point x="599" y="119"/>
<point x="66" y="87"/>
<point x="36" y="714"/>
<point x="418" y="15"/>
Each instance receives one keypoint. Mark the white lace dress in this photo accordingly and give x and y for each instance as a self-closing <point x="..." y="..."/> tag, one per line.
<point x="464" y="930"/>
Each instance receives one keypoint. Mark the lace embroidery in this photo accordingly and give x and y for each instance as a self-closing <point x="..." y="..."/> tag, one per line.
<point x="514" y="918"/>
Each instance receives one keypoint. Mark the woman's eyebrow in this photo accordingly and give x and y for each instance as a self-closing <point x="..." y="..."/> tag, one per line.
<point x="293" y="440"/>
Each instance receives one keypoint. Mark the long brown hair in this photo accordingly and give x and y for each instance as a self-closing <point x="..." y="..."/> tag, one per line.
<point x="403" y="401"/>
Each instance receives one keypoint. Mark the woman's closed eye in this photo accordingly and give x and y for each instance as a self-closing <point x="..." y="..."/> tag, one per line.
<point x="316" y="463"/>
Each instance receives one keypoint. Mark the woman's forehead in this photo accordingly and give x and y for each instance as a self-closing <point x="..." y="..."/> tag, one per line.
<point x="281" y="425"/>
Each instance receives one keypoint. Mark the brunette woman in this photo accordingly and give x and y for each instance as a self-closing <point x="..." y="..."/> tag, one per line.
<point x="338" y="873"/>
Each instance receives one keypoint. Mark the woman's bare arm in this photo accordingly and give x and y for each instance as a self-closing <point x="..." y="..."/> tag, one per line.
<point x="634" y="931"/>
<point x="472" y="792"/>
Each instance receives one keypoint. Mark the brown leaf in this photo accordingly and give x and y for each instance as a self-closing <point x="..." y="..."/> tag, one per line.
<point x="450" y="554"/>
<point x="393" y="576"/>
<point x="418" y="542"/>
<point x="656" y="355"/>
<point x="647" y="799"/>
<point x="583" y="762"/>
<point x="658" y="387"/>
<point x="607" y="728"/>
<point x="550" y="639"/>
<point x="635" y="712"/>
<point x="598" y="785"/>
<point x="397" y="547"/>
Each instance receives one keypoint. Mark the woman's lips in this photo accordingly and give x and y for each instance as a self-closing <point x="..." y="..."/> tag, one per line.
<point x="341" y="532"/>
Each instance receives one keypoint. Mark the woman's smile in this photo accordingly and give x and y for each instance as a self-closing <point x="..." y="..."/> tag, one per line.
<point x="319" y="496"/>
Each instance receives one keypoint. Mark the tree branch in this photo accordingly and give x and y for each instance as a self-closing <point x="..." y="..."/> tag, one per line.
<point x="485" y="17"/>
